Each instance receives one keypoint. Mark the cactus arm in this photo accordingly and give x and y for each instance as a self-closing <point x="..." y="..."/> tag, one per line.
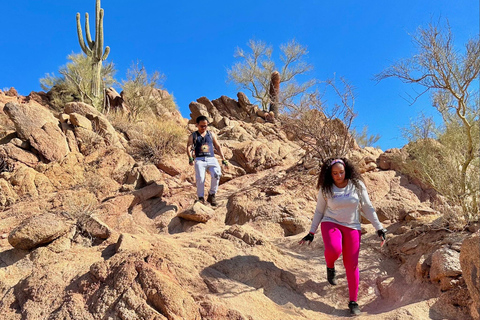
<point x="99" y="39"/>
<point x="87" y="32"/>
<point x="85" y="49"/>
<point x="107" y="51"/>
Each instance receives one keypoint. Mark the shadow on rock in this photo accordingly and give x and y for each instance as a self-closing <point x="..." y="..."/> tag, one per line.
<point x="243" y="274"/>
<point x="10" y="257"/>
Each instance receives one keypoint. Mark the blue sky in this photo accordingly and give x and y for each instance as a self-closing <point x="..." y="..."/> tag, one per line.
<point x="193" y="42"/>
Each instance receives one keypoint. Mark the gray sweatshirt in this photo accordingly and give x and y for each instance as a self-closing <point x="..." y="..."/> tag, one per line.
<point x="344" y="207"/>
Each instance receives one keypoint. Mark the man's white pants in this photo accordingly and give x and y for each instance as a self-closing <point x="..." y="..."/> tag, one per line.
<point x="202" y="164"/>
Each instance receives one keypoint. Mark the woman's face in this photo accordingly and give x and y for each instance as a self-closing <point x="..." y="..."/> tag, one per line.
<point x="338" y="174"/>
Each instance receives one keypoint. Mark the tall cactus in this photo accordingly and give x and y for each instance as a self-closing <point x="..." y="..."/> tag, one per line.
<point x="274" y="92"/>
<point x="94" y="49"/>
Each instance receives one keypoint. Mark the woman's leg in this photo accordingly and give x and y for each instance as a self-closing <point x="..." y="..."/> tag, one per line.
<point x="351" y="249"/>
<point x="332" y="240"/>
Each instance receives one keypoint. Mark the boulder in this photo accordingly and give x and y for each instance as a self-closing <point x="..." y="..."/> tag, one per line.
<point x="80" y="121"/>
<point x="391" y="159"/>
<point x="28" y="182"/>
<point x="470" y="264"/>
<point x="37" y="125"/>
<point x="15" y="153"/>
<point x="27" y="118"/>
<point x="164" y="293"/>
<point x="254" y="156"/>
<point x="50" y="142"/>
<point x="81" y="108"/>
<point x="198" y="213"/>
<point x="38" y="230"/>
<point x="198" y="109"/>
<point x="445" y="263"/>
<point x="131" y="243"/>
<point x="94" y="227"/>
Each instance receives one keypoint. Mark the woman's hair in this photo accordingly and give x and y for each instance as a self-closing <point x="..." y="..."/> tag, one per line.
<point x="325" y="180"/>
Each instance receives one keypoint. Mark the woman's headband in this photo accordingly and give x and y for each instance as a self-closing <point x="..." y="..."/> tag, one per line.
<point x="337" y="161"/>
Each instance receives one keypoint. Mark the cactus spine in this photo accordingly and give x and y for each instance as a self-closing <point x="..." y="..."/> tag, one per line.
<point x="94" y="49"/>
<point x="274" y="92"/>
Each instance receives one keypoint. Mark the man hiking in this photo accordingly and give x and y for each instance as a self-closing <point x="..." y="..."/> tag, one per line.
<point x="200" y="149"/>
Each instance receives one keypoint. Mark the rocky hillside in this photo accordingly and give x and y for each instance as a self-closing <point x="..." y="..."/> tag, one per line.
<point x="89" y="232"/>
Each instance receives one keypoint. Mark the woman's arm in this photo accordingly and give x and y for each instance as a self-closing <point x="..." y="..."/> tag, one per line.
<point x="367" y="207"/>
<point x="319" y="211"/>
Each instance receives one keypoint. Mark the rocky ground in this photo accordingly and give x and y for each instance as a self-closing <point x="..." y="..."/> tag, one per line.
<point x="94" y="234"/>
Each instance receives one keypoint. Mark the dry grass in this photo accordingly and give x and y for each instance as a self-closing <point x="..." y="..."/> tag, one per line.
<point x="150" y="139"/>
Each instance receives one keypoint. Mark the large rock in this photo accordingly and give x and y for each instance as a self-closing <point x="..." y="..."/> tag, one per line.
<point x="50" y="142"/>
<point x="15" y="153"/>
<point x="111" y="162"/>
<point x="445" y="266"/>
<point x="27" y="118"/>
<point x="37" y="125"/>
<point x="470" y="263"/>
<point x="198" y="213"/>
<point x="81" y="108"/>
<point x="197" y="109"/>
<point x="37" y="231"/>
<point x="164" y="293"/>
<point x="391" y="159"/>
<point x="28" y="182"/>
<point x="255" y="156"/>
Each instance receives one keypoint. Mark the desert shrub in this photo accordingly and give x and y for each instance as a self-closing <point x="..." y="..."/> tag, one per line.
<point x="74" y="82"/>
<point x="150" y="139"/>
<point x="323" y="129"/>
<point x="143" y="95"/>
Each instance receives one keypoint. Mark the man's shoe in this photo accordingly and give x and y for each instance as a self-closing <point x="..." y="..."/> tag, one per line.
<point x="331" y="276"/>
<point x="354" y="309"/>
<point x="211" y="199"/>
<point x="201" y="200"/>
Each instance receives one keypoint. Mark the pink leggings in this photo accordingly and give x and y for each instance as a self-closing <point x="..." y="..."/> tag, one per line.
<point x="338" y="239"/>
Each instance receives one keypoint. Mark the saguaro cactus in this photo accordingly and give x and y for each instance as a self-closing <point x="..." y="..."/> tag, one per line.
<point x="274" y="92"/>
<point x="94" y="49"/>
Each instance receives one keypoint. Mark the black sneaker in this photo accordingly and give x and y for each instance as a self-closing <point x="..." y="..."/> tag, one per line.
<point x="354" y="309"/>
<point x="211" y="199"/>
<point x="201" y="200"/>
<point x="331" y="276"/>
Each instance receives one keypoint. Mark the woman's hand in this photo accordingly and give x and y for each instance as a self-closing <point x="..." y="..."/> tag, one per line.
<point x="382" y="233"/>
<point x="308" y="237"/>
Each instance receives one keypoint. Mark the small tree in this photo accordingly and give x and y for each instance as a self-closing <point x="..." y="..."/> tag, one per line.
<point x="74" y="84"/>
<point x="254" y="71"/>
<point x="448" y="75"/>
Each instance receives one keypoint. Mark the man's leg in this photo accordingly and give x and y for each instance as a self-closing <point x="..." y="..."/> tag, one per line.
<point x="200" y="168"/>
<point x="215" y="173"/>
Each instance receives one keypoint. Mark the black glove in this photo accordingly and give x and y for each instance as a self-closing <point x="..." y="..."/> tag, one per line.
<point x="308" y="237"/>
<point x="382" y="233"/>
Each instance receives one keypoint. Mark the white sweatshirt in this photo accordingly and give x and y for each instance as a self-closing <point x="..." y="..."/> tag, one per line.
<point x="343" y="208"/>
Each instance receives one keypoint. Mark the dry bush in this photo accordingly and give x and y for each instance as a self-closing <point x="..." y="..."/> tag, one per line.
<point x="150" y="139"/>
<point x="323" y="130"/>
<point x="78" y="204"/>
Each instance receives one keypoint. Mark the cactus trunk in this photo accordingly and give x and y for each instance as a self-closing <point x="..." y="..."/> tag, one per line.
<point x="97" y="78"/>
<point x="274" y="92"/>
